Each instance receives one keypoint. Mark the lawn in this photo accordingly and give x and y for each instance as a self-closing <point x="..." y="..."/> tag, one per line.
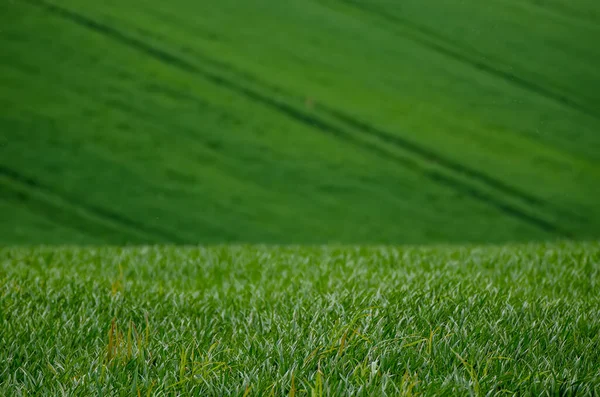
<point x="257" y="320"/>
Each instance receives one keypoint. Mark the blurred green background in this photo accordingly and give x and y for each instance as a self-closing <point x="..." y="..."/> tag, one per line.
<point x="299" y="121"/>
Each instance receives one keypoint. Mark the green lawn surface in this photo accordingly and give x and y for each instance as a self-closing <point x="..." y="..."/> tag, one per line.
<point x="258" y="320"/>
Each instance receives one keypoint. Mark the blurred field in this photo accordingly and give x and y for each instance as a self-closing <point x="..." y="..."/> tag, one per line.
<point x="300" y="121"/>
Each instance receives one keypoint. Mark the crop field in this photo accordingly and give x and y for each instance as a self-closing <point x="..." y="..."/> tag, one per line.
<point x="258" y="321"/>
<point x="304" y="121"/>
<point x="299" y="197"/>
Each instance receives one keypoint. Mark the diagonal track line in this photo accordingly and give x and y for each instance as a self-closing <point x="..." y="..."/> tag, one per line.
<point x="427" y="38"/>
<point x="435" y="158"/>
<point x="58" y="214"/>
<point x="298" y="116"/>
<point x="94" y="210"/>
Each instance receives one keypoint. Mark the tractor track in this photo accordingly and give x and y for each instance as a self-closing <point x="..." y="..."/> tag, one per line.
<point x="434" y="158"/>
<point x="97" y="212"/>
<point x="429" y="39"/>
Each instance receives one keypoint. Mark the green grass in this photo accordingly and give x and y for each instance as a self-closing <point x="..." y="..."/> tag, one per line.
<point x="305" y="121"/>
<point x="252" y="320"/>
<point x="332" y="122"/>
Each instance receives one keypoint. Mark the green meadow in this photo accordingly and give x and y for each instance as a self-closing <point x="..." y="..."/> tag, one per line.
<point x="299" y="121"/>
<point x="299" y="198"/>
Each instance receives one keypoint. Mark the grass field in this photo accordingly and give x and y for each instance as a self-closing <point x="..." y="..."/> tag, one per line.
<point x="131" y="131"/>
<point x="516" y="320"/>
<point x="305" y="121"/>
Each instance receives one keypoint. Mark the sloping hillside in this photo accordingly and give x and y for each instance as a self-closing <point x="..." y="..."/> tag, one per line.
<point x="299" y="121"/>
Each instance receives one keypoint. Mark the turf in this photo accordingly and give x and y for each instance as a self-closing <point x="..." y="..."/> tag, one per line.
<point x="299" y="122"/>
<point x="254" y="320"/>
